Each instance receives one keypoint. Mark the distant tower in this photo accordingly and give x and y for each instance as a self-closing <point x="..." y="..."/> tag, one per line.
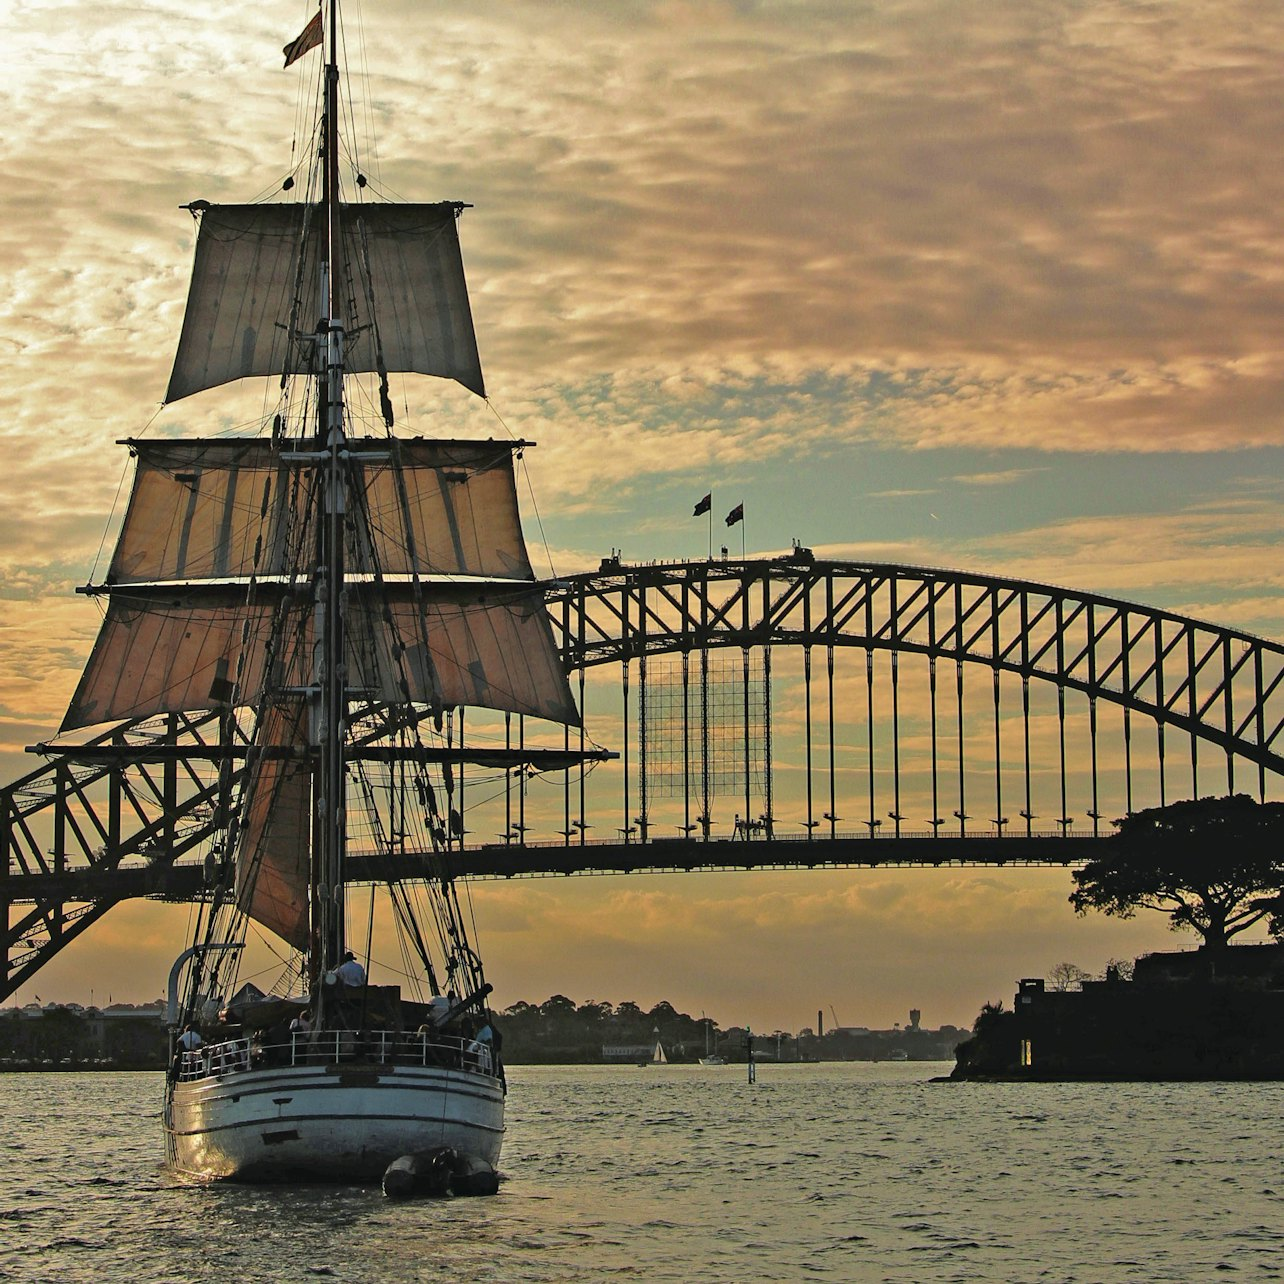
<point x="914" y="1017"/>
<point x="820" y="1023"/>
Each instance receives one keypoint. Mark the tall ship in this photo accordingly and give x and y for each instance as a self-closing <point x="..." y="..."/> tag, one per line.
<point x="326" y="602"/>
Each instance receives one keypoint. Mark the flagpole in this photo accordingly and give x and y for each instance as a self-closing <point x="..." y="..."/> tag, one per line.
<point x="705" y="506"/>
<point x="737" y="515"/>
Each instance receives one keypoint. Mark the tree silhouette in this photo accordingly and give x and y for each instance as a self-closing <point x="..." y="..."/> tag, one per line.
<point x="557" y="1006"/>
<point x="1215" y="865"/>
<point x="1067" y="976"/>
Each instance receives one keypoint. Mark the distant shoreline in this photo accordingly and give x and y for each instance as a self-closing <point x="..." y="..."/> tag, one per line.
<point x="79" y="1069"/>
<point x="101" y="1068"/>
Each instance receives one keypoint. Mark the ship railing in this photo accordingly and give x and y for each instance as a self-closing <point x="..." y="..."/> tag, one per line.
<point x="326" y="1047"/>
<point x="391" y="1047"/>
<point x="214" y="1059"/>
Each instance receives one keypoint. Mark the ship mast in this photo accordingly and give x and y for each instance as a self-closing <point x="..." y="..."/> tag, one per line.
<point x="330" y="713"/>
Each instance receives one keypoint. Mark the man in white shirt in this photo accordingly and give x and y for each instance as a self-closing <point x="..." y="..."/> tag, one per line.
<point x="188" y="1042"/>
<point x="350" y="972"/>
<point x="480" y="1048"/>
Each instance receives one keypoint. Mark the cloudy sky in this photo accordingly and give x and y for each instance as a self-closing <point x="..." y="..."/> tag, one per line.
<point x="990" y="285"/>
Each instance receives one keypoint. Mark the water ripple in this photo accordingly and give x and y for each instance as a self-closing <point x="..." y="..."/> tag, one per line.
<point x="831" y="1172"/>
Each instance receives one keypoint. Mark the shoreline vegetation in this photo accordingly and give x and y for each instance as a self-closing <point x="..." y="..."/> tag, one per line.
<point x="58" y="1037"/>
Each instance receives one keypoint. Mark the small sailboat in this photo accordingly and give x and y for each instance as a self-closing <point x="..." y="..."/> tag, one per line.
<point x="710" y="1058"/>
<point x="304" y="615"/>
<point x="657" y="1057"/>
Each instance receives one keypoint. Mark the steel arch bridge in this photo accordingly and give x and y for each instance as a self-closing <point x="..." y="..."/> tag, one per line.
<point x="1218" y="686"/>
<point x="934" y="690"/>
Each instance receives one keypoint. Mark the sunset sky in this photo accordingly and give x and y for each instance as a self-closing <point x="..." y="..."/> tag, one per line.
<point x="997" y="286"/>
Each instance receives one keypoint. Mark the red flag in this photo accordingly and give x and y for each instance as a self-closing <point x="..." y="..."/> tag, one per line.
<point x="704" y="505"/>
<point x="737" y="514"/>
<point x="307" y="39"/>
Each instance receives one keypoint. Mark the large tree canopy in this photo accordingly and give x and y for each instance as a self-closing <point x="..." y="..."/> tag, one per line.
<point x="1214" y="864"/>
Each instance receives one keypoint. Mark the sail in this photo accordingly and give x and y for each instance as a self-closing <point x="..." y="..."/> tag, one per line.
<point x="255" y="263"/>
<point x="273" y="851"/>
<point x="225" y="509"/>
<point x="163" y="650"/>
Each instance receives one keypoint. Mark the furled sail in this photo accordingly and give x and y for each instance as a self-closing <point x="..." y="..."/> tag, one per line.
<point x="166" y="650"/>
<point x="225" y="509"/>
<point x="255" y="263"/>
<point x="273" y="850"/>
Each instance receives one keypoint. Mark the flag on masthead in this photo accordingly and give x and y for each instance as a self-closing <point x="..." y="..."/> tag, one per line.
<point x="704" y="505"/>
<point x="307" y="39"/>
<point x="737" y="514"/>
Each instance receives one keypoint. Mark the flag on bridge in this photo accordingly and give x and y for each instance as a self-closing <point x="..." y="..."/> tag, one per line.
<point x="737" y="514"/>
<point x="704" y="505"/>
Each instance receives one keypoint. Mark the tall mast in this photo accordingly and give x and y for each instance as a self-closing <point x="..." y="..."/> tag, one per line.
<point x="329" y="837"/>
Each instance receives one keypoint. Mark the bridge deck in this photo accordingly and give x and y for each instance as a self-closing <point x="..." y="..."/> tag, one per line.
<point x="185" y="881"/>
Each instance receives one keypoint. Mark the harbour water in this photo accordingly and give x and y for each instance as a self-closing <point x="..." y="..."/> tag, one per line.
<point x="847" y="1172"/>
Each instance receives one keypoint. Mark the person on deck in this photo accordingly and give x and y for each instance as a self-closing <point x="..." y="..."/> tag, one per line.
<point x="350" y="972"/>
<point x="479" y="1048"/>
<point x="189" y="1041"/>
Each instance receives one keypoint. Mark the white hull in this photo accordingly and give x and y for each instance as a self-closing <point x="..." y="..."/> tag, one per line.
<point x="328" y="1122"/>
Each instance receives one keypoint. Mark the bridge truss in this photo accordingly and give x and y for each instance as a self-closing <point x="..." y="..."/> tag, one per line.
<point x="880" y="691"/>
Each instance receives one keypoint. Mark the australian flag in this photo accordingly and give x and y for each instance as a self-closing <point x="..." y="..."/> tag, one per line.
<point x="704" y="505"/>
<point x="737" y="514"/>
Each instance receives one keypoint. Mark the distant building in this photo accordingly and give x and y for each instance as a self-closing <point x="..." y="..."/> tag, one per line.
<point x="627" y="1051"/>
<point x="70" y="1035"/>
<point x="860" y="1043"/>
<point x="1191" y="1015"/>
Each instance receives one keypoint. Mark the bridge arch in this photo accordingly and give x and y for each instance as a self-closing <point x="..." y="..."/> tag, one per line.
<point x="1218" y="685"/>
